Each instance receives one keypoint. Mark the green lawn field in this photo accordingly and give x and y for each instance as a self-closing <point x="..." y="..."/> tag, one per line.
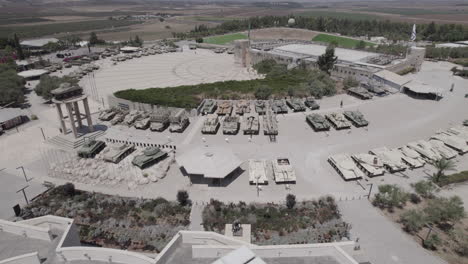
<point x="342" y="41"/>
<point x="223" y="39"/>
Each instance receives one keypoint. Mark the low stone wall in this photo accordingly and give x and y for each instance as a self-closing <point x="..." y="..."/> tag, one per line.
<point x="209" y="238"/>
<point x="107" y="255"/>
<point x="30" y="258"/>
<point x="18" y="228"/>
<point x="169" y="249"/>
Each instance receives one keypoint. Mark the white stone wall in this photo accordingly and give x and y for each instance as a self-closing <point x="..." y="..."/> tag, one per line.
<point x="30" y="258"/>
<point x="20" y="229"/>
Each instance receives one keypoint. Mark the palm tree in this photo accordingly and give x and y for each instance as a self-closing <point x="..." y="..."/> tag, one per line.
<point x="442" y="165"/>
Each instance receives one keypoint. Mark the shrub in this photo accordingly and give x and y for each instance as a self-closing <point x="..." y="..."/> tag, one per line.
<point x="390" y="196"/>
<point x="432" y="242"/>
<point x="34" y="117"/>
<point x="412" y="221"/>
<point x="414" y="198"/>
<point x="199" y="40"/>
<point x="290" y="201"/>
<point x="424" y="188"/>
<point x="350" y="82"/>
<point x="182" y="197"/>
<point x="69" y="189"/>
<point x="445" y="210"/>
<point x="263" y="92"/>
<point x="407" y="70"/>
<point x="454" y="178"/>
<point x="462" y="248"/>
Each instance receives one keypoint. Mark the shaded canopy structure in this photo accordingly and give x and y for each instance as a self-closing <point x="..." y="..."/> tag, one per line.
<point x="211" y="162"/>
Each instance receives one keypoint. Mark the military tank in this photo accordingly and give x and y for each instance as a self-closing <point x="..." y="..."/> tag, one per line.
<point x="224" y="108"/>
<point x="260" y="107"/>
<point x="338" y="121"/>
<point x="107" y="114"/>
<point x="150" y="156"/>
<point x="311" y="103"/>
<point x="117" y="152"/>
<point x="119" y="117"/>
<point x="66" y="91"/>
<point x="279" y="107"/>
<point x="242" y="107"/>
<point x="231" y="125"/>
<point x="90" y="148"/>
<point x="160" y="120"/>
<point x="357" y="118"/>
<point x="318" y="122"/>
<point x="178" y="122"/>
<point x="132" y="117"/>
<point x="211" y="125"/>
<point x="296" y="104"/>
<point x="270" y="124"/>
<point x="251" y="125"/>
<point x="143" y="122"/>
<point x="360" y="93"/>
<point x="208" y="107"/>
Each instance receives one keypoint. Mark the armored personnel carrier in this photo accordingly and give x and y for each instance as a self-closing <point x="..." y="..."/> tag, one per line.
<point x="159" y="120"/>
<point x="338" y="121"/>
<point x="143" y="122"/>
<point x="211" y="125"/>
<point x="270" y="124"/>
<point x="278" y="107"/>
<point x="296" y="104"/>
<point x="150" y="156"/>
<point x="242" y="107"/>
<point x="224" y="108"/>
<point x="208" y="107"/>
<point x="132" y="117"/>
<point x="360" y="93"/>
<point x="231" y="125"/>
<point x="107" y="115"/>
<point x="251" y="125"/>
<point x="357" y="118"/>
<point x="117" y="152"/>
<point x="260" y="107"/>
<point x="119" y="117"/>
<point x="178" y="122"/>
<point x="311" y="103"/>
<point x="90" y="148"/>
<point x="318" y="122"/>
<point x="66" y="91"/>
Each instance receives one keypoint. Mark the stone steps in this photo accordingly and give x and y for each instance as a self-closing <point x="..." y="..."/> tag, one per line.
<point x="70" y="143"/>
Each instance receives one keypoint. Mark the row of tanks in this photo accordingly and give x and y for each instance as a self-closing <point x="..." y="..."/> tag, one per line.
<point x="231" y="125"/>
<point x="337" y="120"/>
<point x="158" y="120"/>
<point x="117" y="152"/>
<point x="278" y="106"/>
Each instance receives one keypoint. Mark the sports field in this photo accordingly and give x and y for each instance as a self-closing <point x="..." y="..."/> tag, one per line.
<point x="342" y="41"/>
<point x="223" y="39"/>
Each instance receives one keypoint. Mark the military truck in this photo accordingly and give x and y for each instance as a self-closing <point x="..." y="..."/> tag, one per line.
<point x="90" y="148"/>
<point x="178" y="122"/>
<point x="311" y="103"/>
<point x="209" y="106"/>
<point x="260" y="107"/>
<point x="143" y="122"/>
<point x="318" y="122"/>
<point x="160" y="120"/>
<point x="251" y="124"/>
<point x="278" y="106"/>
<point x="224" y="108"/>
<point x="357" y="118"/>
<point x="270" y="123"/>
<point x="211" y="124"/>
<point x="150" y="156"/>
<point x="107" y="114"/>
<point x="231" y="125"/>
<point x="360" y="93"/>
<point x="242" y="107"/>
<point x="117" y="152"/>
<point x="296" y="104"/>
<point x="338" y="121"/>
<point x="132" y="117"/>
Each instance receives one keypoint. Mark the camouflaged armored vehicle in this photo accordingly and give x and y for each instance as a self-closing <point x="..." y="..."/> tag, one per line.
<point x="242" y="107"/>
<point x="260" y="107"/>
<point x="132" y="117"/>
<point x="338" y="121"/>
<point x="270" y="123"/>
<point x="224" y="108"/>
<point x="90" y="148"/>
<point x="107" y="114"/>
<point x="211" y="124"/>
<point x="360" y="93"/>
<point x="278" y="106"/>
<point x="357" y="118"/>
<point x="178" y="122"/>
<point x="150" y="156"/>
<point x="209" y="106"/>
<point x="251" y="124"/>
<point x="160" y="120"/>
<point x="318" y="122"/>
<point x="231" y="125"/>
<point x="117" y="152"/>
<point x="296" y="104"/>
<point x="311" y="103"/>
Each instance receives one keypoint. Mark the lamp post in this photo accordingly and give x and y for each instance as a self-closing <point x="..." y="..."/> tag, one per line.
<point x="24" y="173"/>
<point x="24" y="193"/>
<point x="370" y="190"/>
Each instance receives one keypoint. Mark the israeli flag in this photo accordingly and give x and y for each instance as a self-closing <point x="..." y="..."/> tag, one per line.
<point x="413" y="34"/>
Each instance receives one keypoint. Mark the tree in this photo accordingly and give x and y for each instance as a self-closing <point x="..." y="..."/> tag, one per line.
<point x="182" y="197"/>
<point x="11" y="85"/>
<point x="442" y="165"/>
<point x="445" y="210"/>
<point x="263" y="92"/>
<point x="69" y="189"/>
<point x="48" y="83"/>
<point x="361" y="45"/>
<point x="138" y="41"/>
<point x="290" y="201"/>
<point x="390" y="196"/>
<point x="424" y="188"/>
<point x="327" y="60"/>
<point x="199" y="40"/>
<point x="413" y="221"/>
<point x="19" y="49"/>
<point x="93" y="39"/>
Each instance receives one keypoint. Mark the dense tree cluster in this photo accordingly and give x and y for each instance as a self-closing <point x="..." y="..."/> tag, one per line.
<point x="12" y="85"/>
<point x="446" y="53"/>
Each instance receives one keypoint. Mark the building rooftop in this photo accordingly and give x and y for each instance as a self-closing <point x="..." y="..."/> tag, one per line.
<point x="392" y="77"/>
<point x="32" y="73"/>
<point x="38" y="43"/>
<point x="12" y="245"/>
<point x="316" y="50"/>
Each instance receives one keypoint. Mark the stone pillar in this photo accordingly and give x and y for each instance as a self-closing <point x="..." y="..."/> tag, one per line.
<point x="88" y="115"/>
<point x="77" y="114"/>
<point x="60" y="115"/>
<point x="72" y="119"/>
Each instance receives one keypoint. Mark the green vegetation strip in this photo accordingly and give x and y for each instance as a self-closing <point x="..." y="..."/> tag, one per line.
<point x="54" y="28"/>
<point x="340" y="15"/>
<point x="223" y="39"/>
<point x="413" y="11"/>
<point x="454" y="178"/>
<point x="342" y="41"/>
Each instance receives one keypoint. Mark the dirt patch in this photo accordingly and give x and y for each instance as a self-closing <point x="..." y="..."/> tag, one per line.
<point x="283" y="33"/>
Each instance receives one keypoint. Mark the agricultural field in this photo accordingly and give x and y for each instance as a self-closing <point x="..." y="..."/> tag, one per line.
<point x="342" y="41"/>
<point x="414" y="11"/>
<point x="113" y="221"/>
<point x="337" y="14"/>
<point x="224" y="39"/>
